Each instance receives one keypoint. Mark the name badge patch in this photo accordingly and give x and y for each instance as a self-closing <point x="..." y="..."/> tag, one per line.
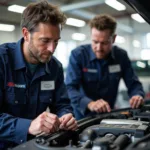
<point x="114" y="68"/>
<point x="47" y="85"/>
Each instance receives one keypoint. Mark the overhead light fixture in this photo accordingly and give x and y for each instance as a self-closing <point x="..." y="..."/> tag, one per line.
<point x="75" y="22"/>
<point x="7" y="27"/>
<point x="16" y="8"/>
<point x="78" y="36"/>
<point x="145" y="54"/>
<point x="136" y="43"/>
<point x="115" y="4"/>
<point x="120" y="39"/>
<point x="138" y="18"/>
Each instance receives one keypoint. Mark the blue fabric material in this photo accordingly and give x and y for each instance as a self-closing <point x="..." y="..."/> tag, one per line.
<point x="89" y="79"/>
<point x="21" y="97"/>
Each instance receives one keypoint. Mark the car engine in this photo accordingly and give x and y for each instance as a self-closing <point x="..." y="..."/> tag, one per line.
<point x="122" y="129"/>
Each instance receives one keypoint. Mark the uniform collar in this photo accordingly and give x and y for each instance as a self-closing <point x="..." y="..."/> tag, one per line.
<point x="93" y="57"/>
<point x="44" y="67"/>
<point x="19" y="61"/>
<point x="47" y="68"/>
<point x="42" y="70"/>
<point x="112" y="55"/>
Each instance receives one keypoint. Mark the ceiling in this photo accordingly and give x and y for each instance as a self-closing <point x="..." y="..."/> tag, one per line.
<point x="81" y="9"/>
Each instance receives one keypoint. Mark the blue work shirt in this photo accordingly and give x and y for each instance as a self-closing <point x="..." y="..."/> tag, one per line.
<point x="23" y="97"/>
<point x="89" y="79"/>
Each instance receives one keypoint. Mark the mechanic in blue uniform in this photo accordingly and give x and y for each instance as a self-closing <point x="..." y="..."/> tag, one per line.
<point x="31" y="79"/>
<point x="95" y="70"/>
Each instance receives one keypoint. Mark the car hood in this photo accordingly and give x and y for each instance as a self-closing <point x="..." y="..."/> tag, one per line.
<point x="141" y="7"/>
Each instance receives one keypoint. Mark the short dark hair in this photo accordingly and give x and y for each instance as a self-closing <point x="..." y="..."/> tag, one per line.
<point x="104" y="22"/>
<point x="41" y="12"/>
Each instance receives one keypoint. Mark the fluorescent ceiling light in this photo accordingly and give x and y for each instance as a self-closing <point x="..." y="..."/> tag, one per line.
<point x="145" y="54"/>
<point x="138" y="18"/>
<point x="75" y="22"/>
<point x="78" y="36"/>
<point x="115" y="4"/>
<point x="136" y="43"/>
<point x="16" y="8"/>
<point x="6" y="27"/>
<point x="120" y="39"/>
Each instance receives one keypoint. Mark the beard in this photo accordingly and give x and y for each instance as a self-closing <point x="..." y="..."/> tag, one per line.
<point x="36" y="55"/>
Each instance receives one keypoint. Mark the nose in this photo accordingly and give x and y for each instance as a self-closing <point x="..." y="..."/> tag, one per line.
<point x="98" y="46"/>
<point x="51" y="47"/>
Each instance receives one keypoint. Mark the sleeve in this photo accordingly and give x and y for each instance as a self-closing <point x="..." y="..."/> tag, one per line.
<point x="73" y="83"/>
<point x="12" y="129"/>
<point x="130" y="78"/>
<point x="62" y="101"/>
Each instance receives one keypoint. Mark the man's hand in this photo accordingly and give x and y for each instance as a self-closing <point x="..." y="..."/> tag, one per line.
<point x="45" y="123"/>
<point x="68" y="122"/>
<point x="136" y="101"/>
<point x="99" y="106"/>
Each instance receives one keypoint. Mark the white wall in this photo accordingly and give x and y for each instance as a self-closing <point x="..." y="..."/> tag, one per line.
<point x="13" y="36"/>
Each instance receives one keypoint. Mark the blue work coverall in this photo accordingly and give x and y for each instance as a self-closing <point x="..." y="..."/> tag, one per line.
<point x="24" y="96"/>
<point x="90" y="79"/>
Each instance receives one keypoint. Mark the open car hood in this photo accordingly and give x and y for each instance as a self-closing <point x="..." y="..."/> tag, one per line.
<point x="141" y="7"/>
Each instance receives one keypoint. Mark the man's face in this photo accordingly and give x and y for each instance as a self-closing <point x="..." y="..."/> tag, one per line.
<point x="42" y="43"/>
<point x="102" y="42"/>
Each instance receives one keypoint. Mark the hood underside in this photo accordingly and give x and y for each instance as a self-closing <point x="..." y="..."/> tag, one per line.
<point x="142" y="7"/>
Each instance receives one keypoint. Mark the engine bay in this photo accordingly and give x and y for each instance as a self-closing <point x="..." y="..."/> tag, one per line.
<point x="122" y="129"/>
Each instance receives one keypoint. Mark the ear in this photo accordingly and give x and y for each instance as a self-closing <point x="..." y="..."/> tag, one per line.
<point x="26" y="34"/>
<point x="114" y="37"/>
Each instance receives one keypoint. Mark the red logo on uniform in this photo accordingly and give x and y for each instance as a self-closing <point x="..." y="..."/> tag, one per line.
<point x="10" y="84"/>
<point x="85" y="70"/>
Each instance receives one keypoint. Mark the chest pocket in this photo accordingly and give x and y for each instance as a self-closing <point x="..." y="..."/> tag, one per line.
<point x="114" y="78"/>
<point x="45" y="100"/>
<point x="90" y="76"/>
<point x="90" y="83"/>
<point x="15" y="101"/>
<point x="15" y="95"/>
<point x="46" y="96"/>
